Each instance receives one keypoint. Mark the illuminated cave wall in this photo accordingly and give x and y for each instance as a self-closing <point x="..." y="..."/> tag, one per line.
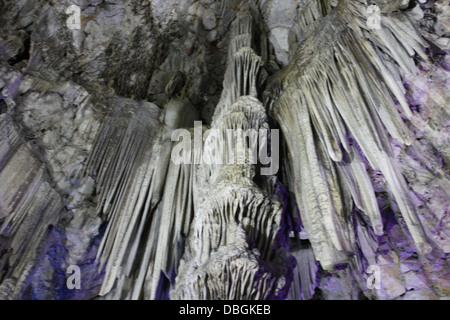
<point x="357" y="105"/>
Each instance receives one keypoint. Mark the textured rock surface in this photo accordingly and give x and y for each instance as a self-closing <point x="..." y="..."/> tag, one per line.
<point x="86" y="177"/>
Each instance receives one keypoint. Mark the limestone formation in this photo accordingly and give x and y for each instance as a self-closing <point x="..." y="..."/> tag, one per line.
<point x="255" y="150"/>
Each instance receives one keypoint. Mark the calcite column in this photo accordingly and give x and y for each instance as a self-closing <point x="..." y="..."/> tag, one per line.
<point x="231" y="248"/>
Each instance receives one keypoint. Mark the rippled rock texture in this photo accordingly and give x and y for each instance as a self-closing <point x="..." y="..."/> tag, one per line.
<point x="353" y="205"/>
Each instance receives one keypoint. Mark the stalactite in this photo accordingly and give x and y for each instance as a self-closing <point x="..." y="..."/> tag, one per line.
<point x="30" y="207"/>
<point x="151" y="203"/>
<point x="145" y="198"/>
<point x="305" y="274"/>
<point x="338" y="87"/>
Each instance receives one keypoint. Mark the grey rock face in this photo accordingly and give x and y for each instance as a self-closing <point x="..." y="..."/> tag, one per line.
<point x="359" y="207"/>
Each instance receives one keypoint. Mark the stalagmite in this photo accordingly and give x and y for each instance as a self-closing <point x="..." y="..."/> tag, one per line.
<point x="230" y="249"/>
